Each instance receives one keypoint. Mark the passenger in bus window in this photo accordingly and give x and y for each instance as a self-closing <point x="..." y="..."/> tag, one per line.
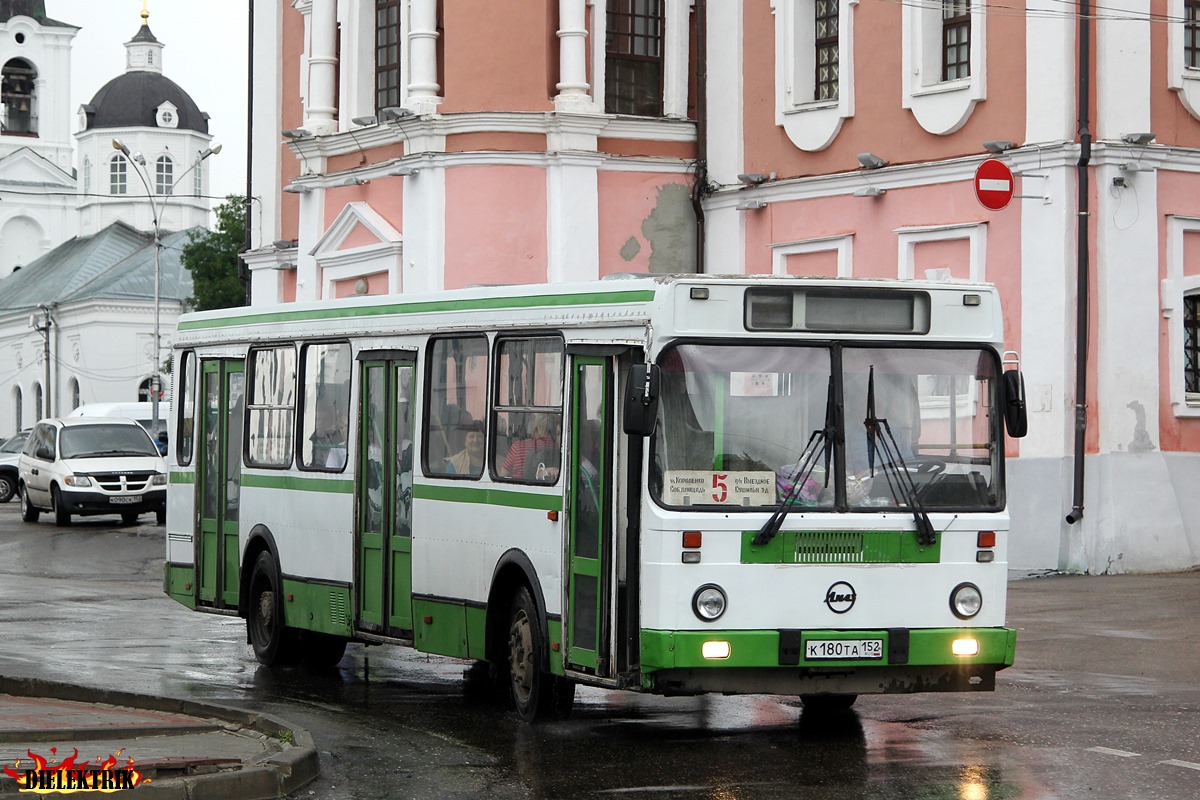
<point x="333" y="441"/>
<point x="469" y="460"/>
<point x="523" y="462"/>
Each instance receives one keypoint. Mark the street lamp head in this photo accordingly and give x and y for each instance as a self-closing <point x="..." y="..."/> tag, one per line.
<point x="118" y="145"/>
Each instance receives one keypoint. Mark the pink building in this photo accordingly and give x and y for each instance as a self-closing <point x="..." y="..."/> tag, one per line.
<point x="430" y="145"/>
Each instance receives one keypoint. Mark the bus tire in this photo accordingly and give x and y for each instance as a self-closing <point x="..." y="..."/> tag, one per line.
<point x="827" y="703"/>
<point x="535" y="694"/>
<point x="274" y="644"/>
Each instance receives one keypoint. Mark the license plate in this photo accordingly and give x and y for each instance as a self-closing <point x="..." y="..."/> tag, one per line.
<point x="124" y="501"/>
<point x="843" y="649"/>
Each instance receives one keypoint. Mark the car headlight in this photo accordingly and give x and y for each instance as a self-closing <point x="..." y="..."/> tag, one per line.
<point x="708" y="603"/>
<point x="77" y="480"/>
<point x="159" y="480"/>
<point x="966" y="600"/>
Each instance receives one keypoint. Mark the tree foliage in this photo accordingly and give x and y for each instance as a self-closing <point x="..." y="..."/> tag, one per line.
<point x="212" y="258"/>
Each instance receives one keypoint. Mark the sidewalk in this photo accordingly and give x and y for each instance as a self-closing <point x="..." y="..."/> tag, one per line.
<point x="184" y="750"/>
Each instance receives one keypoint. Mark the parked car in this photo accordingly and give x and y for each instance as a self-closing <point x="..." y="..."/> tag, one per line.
<point x="143" y="412"/>
<point x="10" y="453"/>
<point x="89" y="466"/>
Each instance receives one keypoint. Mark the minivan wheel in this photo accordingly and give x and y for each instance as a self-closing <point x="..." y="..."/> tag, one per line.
<point x="62" y="517"/>
<point x="29" y="512"/>
<point x="8" y="487"/>
<point x="129" y="517"/>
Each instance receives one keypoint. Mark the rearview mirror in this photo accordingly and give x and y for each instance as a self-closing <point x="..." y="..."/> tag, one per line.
<point x="1016" y="416"/>
<point x="641" y="400"/>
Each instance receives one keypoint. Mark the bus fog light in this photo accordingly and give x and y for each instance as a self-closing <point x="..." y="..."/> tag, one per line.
<point x="715" y="649"/>
<point x="708" y="602"/>
<point x="965" y="647"/>
<point x="966" y="600"/>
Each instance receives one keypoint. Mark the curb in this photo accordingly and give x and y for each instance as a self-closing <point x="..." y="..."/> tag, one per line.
<point x="275" y="776"/>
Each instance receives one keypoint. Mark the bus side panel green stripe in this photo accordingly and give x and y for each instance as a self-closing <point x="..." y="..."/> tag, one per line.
<point x="491" y="497"/>
<point x="478" y="304"/>
<point x="294" y="483"/>
<point x="181" y="477"/>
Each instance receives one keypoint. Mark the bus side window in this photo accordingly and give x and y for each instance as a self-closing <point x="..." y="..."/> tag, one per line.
<point x="457" y="374"/>
<point x="527" y="413"/>
<point x="325" y="406"/>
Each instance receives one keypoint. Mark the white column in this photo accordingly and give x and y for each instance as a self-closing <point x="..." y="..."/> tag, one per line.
<point x="1122" y="70"/>
<point x="676" y="36"/>
<point x="573" y="228"/>
<point x="573" y="89"/>
<point x="724" y="240"/>
<point x="422" y="90"/>
<point x="308" y="272"/>
<point x="1049" y="72"/>
<point x="321" y="113"/>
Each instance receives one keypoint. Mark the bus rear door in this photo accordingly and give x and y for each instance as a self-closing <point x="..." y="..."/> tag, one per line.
<point x="220" y="482"/>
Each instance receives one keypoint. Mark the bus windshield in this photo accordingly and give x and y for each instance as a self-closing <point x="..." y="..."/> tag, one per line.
<point x="738" y="424"/>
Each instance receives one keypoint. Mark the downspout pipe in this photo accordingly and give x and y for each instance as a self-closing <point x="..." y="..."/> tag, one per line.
<point x="1082" y="268"/>
<point x="700" y="182"/>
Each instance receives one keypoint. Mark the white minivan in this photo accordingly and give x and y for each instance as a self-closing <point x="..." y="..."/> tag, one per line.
<point x="88" y="465"/>
<point x="142" y="412"/>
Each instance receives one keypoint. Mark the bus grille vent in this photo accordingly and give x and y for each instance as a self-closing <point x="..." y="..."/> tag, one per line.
<point x="337" y="608"/>
<point x="842" y="547"/>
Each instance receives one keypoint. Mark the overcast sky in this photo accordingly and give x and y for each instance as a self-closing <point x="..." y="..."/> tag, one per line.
<point x="204" y="52"/>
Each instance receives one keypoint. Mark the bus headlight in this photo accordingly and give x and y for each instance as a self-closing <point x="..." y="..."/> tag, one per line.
<point x="708" y="602"/>
<point x="966" y="600"/>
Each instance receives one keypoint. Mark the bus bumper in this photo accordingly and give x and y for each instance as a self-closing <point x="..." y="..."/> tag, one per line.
<point x="775" y="662"/>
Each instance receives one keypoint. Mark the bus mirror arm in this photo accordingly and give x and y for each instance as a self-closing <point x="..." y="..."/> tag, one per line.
<point x="640" y="415"/>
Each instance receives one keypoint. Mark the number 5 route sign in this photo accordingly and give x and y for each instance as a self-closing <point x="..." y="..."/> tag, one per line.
<point x="994" y="184"/>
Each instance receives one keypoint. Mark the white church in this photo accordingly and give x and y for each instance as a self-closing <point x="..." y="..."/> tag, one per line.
<point x="78" y="215"/>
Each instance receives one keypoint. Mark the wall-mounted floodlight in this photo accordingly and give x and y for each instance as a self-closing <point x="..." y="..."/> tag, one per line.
<point x="998" y="146"/>
<point x="297" y="188"/>
<point x="283" y="244"/>
<point x="871" y="161"/>
<point x="753" y="178"/>
<point x="371" y="120"/>
<point x="1136" y="166"/>
<point x="352" y="182"/>
<point x="295" y="133"/>
<point x="392" y="113"/>
<point x="403" y="172"/>
<point x="751" y="205"/>
<point x="870" y="191"/>
<point x="1138" y="138"/>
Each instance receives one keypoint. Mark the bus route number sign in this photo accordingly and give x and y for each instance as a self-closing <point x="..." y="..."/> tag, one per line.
<point x="696" y="487"/>
<point x="843" y="649"/>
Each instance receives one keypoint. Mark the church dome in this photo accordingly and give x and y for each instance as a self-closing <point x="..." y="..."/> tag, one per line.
<point x="133" y="100"/>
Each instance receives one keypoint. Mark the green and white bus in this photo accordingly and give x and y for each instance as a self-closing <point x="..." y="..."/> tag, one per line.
<point x="669" y="484"/>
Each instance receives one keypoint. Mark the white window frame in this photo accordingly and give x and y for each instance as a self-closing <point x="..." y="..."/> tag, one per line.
<point x="908" y="238"/>
<point x="940" y="107"/>
<point x="87" y="175"/>
<point x="164" y="179"/>
<point x="1182" y="79"/>
<point x="843" y="245"/>
<point x="676" y="25"/>
<point x="1174" y="288"/>
<point x="118" y="176"/>
<point x="812" y="125"/>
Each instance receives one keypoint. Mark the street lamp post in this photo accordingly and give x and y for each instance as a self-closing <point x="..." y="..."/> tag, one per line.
<point x="43" y="326"/>
<point x="138" y="161"/>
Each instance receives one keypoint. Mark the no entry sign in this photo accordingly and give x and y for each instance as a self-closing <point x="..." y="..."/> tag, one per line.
<point x="993" y="184"/>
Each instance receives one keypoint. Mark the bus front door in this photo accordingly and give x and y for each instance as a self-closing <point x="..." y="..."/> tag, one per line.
<point x="591" y="520"/>
<point x="384" y="494"/>
<point x="220" y="482"/>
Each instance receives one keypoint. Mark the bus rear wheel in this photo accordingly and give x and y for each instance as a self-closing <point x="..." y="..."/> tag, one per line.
<point x="536" y="694"/>
<point x="323" y="650"/>
<point x="827" y="703"/>
<point x="274" y="644"/>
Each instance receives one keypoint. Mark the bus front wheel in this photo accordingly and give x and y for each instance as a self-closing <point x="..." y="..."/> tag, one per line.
<point x="536" y="694"/>
<point x="827" y="703"/>
<point x="274" y="644"/>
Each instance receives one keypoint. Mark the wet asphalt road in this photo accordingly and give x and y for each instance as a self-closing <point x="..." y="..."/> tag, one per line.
<point x="1104" y="701"/>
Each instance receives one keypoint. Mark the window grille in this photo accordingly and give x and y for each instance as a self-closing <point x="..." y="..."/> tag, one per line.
<point x="826" y="50"/>
<point x="387" y="53"/>
<point x="633" y="72"/>
<point x="956" y="39"/>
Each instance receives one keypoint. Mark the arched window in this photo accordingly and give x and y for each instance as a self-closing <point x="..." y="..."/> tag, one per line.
<point x="18" y="80"/>
<point x="18" y="419"/>
<point x="144" y="391"/>
<point x="37" y="401"/>
<point x="87" y="175"/>
<point x="117" y="176"/>
<point x="198" y="180"/>
<point x="73" y="392"/>
<point x="164" y="175"/>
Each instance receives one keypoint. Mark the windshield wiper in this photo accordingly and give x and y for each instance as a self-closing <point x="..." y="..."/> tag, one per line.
<point x="98" y="453"/>
<point x="819" y="441"/>
<point x="879" y="433"/>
